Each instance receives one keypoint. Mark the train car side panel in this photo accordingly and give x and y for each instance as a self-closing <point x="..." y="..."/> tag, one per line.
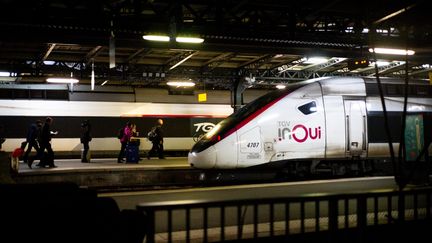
<point x="335" y="127"/>
<point x="250" y="146"/>
<point x="355" y="128"/>
<point x="301" y="127"/>
<point x="378" y="140"/>
<point x="226" y="152"/>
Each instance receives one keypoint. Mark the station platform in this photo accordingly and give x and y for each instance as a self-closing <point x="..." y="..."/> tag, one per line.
<point x="107" y="173"/>
<point x="245" y="212"/>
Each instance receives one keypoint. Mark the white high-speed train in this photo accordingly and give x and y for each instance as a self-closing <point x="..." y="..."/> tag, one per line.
<point x="319" y="124"/>
<point x="183" y="122"/>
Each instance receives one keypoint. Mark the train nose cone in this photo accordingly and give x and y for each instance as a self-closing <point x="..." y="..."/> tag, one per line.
<point x="205" y="159"/>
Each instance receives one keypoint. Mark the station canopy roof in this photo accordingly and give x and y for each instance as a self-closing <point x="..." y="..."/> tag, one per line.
<point x="265" y="42"/>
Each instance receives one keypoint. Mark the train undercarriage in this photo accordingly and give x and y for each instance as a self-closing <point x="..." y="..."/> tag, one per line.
<point x="410" y="172"/>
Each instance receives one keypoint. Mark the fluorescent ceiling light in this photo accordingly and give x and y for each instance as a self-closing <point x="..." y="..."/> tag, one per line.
<point x="178" y="39"/>
<point x="189" y="40"/>
<point x="280" y="86"/>
<point x="316" y="60"/>
<point x="387" y="63"/>
<point x="181" y="84"/>
<point x="48" y="62"/>
<point x="106" y="81"/>
<point x="392" y="51"/>
<point x="5" y="74"/>
<point x="92" y="81"/>
<point x="156" y="38"/>
<point x="382" y="63"/>
<point x="62" y="80"/>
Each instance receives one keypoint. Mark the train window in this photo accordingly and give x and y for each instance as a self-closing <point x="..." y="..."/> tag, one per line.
<point x="6" y="94"/>
<point x="37" y="94"/>
<point x="21" y="94"/>
<point x="57" y="95"/>
<point x="308" y="108"/>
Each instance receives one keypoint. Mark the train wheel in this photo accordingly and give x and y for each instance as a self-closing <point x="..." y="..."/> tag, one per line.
<point x="303" y="169"/>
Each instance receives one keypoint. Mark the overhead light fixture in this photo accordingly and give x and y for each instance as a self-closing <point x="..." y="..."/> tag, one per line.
<point x="392" y="51"/>
<point x="380" y="63"/>
<point x="8" y="74"/>
<point x="189" y="40"/>
<point x="62" y="80"/>
<point x="106" y="81"/>
<point x="5" y="74"/>
<point x="163" y="38"/>
<point x="92" y="77"/>
<point x="280" y="86"/>
<point x="181" y="83"/>
<point x="316" y="60"/>
<point x="49" y="63"/>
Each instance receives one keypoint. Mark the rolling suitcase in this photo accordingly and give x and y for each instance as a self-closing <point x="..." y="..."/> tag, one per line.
<point x="132" y="153"/>
<point x="16" y="154"/>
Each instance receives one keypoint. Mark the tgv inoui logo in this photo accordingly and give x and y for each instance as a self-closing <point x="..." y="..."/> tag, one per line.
<point x="204" y="126"/>
<point x="299" y="133"/>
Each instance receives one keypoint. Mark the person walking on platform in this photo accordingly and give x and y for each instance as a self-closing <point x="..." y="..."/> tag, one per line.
<point x="157" y="141"/>
<point x="45" y="144"/>
<point x="31" y="140"/>
<point x="85" y="140"/>
<point x="124" y="139"/>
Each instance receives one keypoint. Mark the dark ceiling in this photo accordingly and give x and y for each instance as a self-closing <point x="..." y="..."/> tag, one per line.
<point x="269" y="40"/>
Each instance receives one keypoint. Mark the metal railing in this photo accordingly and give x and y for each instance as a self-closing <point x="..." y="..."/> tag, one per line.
<point x="230" y="220"/>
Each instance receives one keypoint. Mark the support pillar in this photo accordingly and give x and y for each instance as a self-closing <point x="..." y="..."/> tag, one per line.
<point x="237" y="93"/>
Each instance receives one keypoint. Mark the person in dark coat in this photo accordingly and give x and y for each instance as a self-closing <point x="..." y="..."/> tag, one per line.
<point x="124" y="140"/>
<point x="157" y="142"/>
<point x="85" y="139"/>
<point x="31" y="140"/>
<point x="45" y="144"/>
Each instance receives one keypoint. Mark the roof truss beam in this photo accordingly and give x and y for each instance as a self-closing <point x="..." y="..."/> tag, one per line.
<point x="92" y="54"/>
<point x="48" y="51"/>
<point x="136" y="55"/>
<point x="256" y="62"/>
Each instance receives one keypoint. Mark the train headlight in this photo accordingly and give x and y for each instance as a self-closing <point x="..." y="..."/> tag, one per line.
<point x="203" y="160"/>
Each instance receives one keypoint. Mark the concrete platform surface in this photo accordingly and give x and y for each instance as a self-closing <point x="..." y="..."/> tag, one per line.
<point x="74" y="165"/>
<point x="105" y="173"/>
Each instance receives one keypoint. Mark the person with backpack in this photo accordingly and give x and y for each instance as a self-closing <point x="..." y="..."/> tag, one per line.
<point x="45" y="144"/>
<point x="156" y="137"/>
<point x="32" y="142"/>
<point x="124" y="135"/>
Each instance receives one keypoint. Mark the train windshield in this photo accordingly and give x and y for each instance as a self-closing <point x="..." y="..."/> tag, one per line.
<point x="228" y="125"/>
<point x="257" y="104"/>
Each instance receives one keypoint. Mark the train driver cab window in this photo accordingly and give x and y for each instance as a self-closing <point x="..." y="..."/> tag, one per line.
<point x="308" y="108"/>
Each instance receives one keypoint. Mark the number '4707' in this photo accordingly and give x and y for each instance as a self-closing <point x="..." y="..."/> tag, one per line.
<point x="253" y="145"/>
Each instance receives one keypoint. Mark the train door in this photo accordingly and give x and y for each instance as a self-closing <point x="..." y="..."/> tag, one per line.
<point x="250" y="147"/>
<point x="356" y="128"/>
